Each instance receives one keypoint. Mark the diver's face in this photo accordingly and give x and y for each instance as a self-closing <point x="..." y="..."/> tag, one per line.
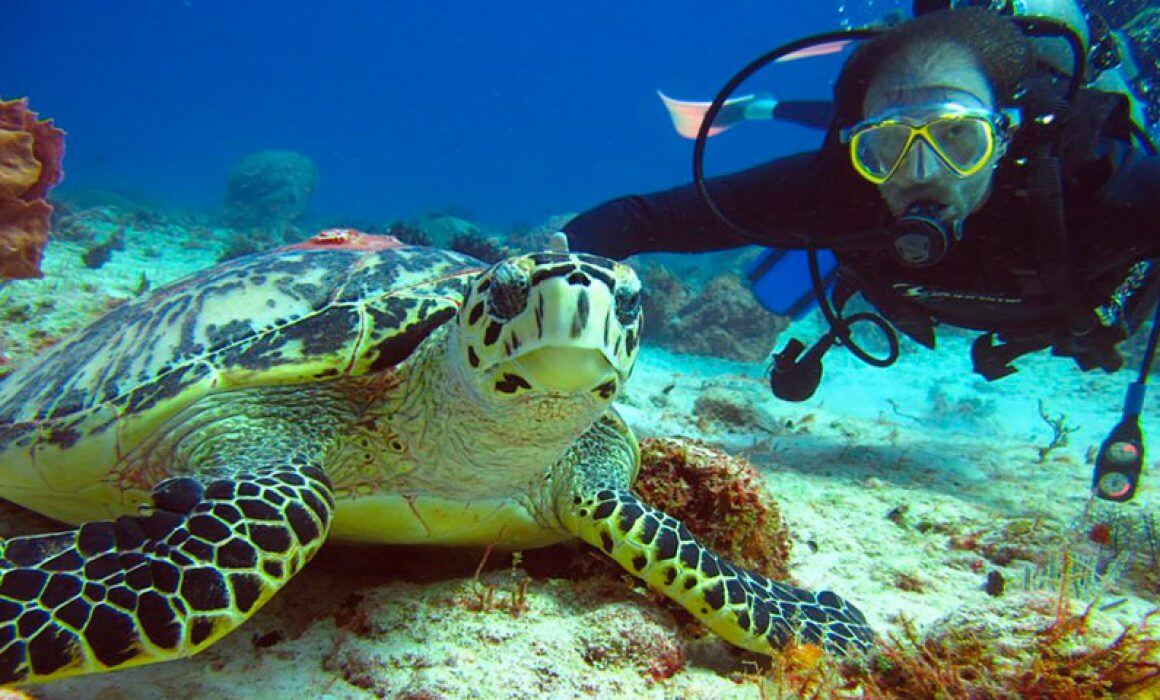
<point x="946" y="74"/>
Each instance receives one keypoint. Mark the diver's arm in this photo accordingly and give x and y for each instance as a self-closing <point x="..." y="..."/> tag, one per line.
<point x="771" y="197"/>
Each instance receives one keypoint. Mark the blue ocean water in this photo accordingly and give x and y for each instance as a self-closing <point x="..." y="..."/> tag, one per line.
<point x="509" y="111"/>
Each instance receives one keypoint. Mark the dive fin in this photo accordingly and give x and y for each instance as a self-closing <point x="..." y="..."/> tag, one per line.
<point x="825" y="49"/>
<point x="687" y="116"/>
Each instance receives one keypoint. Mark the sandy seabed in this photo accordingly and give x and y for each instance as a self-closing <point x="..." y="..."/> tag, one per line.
<point x="903" y="488"/>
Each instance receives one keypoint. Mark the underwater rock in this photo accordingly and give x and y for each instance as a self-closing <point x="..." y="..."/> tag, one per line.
<point x="995" y="584"/>
<point x="663" y="295"/>
<point x="726" y="409"/>
<point x="480" y="247"/>
<point x="528" y="238"/>
<point x="268" y="190"/>
<point x="726" y="321"/>
<point x="722" y="320"/>
<point x="31" y="151"/>
<point x="240" y="247"/>
<point x="411" y="235"/>
<point x="100" y="253"/>
<point x="81" y="216"/>
<point x="455" y="234"/>
<point x="441" y="230"/>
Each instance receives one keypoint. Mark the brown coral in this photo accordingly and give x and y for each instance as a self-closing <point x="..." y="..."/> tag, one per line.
<point x="1028" y="646"/>
<point x="1046" y="651"/>
<point x="30" y="156"/>
<point x="720" y="498"/>
<point x="722" y="319"/>
<point x="718" y="407"/>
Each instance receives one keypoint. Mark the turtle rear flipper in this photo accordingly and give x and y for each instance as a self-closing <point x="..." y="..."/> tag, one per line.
<point x="155" y="587"/>
<point x="745" y="608"/>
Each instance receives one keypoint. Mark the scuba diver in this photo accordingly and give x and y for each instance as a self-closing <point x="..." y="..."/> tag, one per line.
<point x="964" y="179"/>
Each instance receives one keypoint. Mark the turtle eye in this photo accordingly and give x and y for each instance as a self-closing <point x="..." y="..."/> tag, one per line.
<point x="627" y="303"/>
<point x="509" y="290"/>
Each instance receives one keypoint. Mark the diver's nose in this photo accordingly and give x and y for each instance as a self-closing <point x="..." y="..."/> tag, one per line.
<point x="922" y="164"/>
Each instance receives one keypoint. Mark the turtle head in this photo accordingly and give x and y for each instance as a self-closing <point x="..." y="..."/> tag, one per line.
<point x="552" y="324"/>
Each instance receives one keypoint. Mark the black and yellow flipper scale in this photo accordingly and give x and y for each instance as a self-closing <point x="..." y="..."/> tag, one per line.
<point x="742" y="606"/>
<point x="162" y="585"/>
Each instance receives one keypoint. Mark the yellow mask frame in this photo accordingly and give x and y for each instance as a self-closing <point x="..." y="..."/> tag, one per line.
<point x="933" y="125"/>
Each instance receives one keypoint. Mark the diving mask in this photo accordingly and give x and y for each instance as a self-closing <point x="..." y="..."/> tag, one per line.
<point x="963" y="138"/>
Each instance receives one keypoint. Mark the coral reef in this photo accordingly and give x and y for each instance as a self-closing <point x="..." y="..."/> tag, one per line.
<point x="883" y="508"/>
<point x="242" y="246"/>
<point x="721" y="499"/>
<point x="267" y="191"/>
<point x="441" y="230"/>
<point x="82" y="216"/>
<point x="480" y="247"/>
<point x="718" y="408"/>
<point x="1028" y="646"/>
<point x="1040" y="648"/>
<point x="663" y="295"/>
<point x="1126" y="538"/>
<point x="31" y="151"/>
<point x="526" y="237"/>
<point x="1060" y="432"/>
<point x="408" y="234"/>
<point x="722" y="320"/>
<point x="1004" y="542"/>
<point x="454" y="233"/>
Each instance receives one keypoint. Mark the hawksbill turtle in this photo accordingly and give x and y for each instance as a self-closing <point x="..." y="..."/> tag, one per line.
<point x="205" y="440"/>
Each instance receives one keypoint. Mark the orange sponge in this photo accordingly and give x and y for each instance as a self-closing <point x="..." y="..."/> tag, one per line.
<point x="31" y="151"/>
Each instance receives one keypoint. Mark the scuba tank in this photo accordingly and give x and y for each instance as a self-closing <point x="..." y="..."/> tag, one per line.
<point x="1108" y="64"/>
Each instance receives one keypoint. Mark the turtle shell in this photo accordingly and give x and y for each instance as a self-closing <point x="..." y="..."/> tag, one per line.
<point x="302" y="314"/>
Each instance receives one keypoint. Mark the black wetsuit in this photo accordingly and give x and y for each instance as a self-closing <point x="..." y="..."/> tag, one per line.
<point x="1009" y="274"/>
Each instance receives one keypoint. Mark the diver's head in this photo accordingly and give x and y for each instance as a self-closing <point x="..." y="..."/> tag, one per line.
<point x="1052" y="51"/>
<point x="929" y="133"/>
<point x="923" y="109"/>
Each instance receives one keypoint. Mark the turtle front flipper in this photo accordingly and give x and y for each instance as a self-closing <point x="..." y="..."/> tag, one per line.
<point x="162" y="585"/>
<point x="742" y="606"/>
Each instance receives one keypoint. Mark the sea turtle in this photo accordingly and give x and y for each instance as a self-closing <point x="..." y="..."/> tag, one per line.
<point x="206" y="439"/>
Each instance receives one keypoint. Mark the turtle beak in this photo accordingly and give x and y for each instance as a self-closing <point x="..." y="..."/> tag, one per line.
<point x="564" y="369"/>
